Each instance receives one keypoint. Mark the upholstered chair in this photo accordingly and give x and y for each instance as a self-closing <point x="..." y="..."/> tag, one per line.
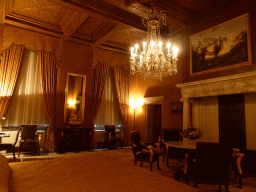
<point x="141" y="154"/>
<point x="28" y="139"/>
<point x="211" y="165"/>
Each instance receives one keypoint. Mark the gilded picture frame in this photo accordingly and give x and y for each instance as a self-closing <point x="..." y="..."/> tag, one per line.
<point x="222" y="47"/>
<point x="176" y="107"/>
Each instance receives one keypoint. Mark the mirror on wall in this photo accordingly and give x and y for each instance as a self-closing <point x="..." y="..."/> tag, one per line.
<point x="75" y="98"/>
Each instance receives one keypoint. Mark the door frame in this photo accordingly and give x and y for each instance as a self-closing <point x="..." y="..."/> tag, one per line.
<point x="152" y="101"/>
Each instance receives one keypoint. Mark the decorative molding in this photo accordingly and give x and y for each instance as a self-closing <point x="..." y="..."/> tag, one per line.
<point x="233" y="84"/>
<point x="21" y="19"/>
<point x="12" y="14"/>
<point x="109" y="11"/>
<point x="153" y="100"/>
<point x="102" y="30"/>
<point x="118" y="46"/>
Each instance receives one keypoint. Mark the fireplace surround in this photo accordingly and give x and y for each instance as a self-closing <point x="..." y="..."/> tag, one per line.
<point x="193" y="93"/>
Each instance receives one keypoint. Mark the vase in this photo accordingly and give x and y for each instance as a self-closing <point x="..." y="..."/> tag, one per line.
<point x="192" y="142"/>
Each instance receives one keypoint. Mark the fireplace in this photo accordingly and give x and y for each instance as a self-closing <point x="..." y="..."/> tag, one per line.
<point x="201" y="107"/>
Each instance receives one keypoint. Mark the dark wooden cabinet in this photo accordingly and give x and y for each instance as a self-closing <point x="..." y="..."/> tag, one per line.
<point x="75" y="139"/>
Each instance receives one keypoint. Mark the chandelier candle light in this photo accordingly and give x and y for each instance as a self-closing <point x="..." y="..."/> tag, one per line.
<point x="152" y="62"/>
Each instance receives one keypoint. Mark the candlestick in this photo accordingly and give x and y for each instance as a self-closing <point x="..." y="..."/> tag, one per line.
<point x="132" y="49"/>
<point x="136" y="46"/>
<point x="144" y="46"/>
<point x="159" y="47"/>
<point x="175" y="52"/>
<point x="168" y="47"/>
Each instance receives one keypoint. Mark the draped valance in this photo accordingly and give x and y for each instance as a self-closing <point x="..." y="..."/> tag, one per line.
<point x="112" y="59"/>
<point x="32" y="41"/>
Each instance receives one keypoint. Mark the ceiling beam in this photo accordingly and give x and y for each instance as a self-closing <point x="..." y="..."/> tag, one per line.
<point x="106" y="35"/>
<point x="108" y="11"/>
<point x="73" y="23"/>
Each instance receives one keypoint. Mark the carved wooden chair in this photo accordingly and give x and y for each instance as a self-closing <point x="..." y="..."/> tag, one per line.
<point x="28" y="138"/>
<point x="211" y="165"/>
<point x="141" y="155"/>
<point x="237" y="157"/>
<point x="110" y="136"/>
<point x="162" y="148"/>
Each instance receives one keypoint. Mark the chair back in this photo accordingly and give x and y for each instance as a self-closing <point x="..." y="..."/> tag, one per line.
<point x="213" y="160"/>
<point x="28" y="131"/>
<point x="110" y="129"/>
<point x="136" y="144"/>
<point x="135" y="137"/>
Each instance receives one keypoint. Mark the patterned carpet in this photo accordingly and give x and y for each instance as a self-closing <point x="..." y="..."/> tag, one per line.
<point x="249" y="181"/>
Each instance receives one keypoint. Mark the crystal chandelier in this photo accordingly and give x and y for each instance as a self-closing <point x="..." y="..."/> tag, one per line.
<point x="151" y="62"/>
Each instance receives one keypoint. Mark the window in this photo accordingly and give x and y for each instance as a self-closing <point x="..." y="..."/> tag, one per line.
<point x="108" y="113"/>
<point x="26" y="106"/>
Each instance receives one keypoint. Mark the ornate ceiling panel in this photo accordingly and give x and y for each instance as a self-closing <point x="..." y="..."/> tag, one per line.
<point x="128" y="36"/>
<point x="41" y="9"/>
<point x="90" y="25"/>
<point x="108" y="24"/>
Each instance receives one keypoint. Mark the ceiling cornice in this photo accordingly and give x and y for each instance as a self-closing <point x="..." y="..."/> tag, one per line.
<point x="18" y="18"/>
<point x="108" y="11"/>
<point x="114" y="45"/>
<point x="102" y="31"/>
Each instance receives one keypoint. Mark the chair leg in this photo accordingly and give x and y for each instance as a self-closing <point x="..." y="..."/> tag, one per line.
<point x="187" y="178"/>
<point x="195" y="184"/>
<point x="220" y="188"/>
<point x="18" y="151"/>
<point x="141" y="163"/>
<point x="135" y="161"/>
<point x="240" y="181"/>
<point x="226" y="187"/>
<point x="13" y="151"/>
<point x="158" y="165"/>
<point x="38" y="150"/>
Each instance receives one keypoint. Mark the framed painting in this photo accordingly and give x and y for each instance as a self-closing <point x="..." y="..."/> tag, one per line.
<point x="224" y="46"/>
<point x="177" y="107"/>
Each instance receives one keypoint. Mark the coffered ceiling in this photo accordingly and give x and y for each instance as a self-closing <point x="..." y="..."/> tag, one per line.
<point x="107" y="24"/>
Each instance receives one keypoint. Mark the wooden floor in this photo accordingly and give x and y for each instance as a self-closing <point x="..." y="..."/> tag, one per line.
<point x="249" y="180"/>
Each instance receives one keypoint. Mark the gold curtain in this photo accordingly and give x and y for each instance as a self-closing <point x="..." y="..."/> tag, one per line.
<point x="108" y="112"/>
<point x="122" y="94"/>
<point x="48" y="72"/>
<point x="9" y="70"/>
<point x="26" y="106"/>
<point x="99" y="80"/>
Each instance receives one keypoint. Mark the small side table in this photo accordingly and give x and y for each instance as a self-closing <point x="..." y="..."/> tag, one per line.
<point x="6" y="146"/>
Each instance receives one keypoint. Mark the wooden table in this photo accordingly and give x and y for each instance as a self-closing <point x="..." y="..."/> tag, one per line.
<point x="2" y="134"/>
<point x="6" y="146"/>
<point x="178" y="149"/>
<point x="75" y="139"/>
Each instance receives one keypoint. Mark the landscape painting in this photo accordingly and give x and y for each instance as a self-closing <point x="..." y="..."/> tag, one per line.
<point x="177" y="107"/>
<point x="222" y="47"/>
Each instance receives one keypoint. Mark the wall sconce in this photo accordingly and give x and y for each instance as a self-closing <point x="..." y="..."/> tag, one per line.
<point x="135" y="104"/>
<point x="71" y="103"/>
<point x="71" y="113"/>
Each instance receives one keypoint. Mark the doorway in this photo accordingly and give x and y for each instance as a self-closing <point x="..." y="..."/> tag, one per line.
<point x="232" y="128"/>
<point x="153" y="122"/>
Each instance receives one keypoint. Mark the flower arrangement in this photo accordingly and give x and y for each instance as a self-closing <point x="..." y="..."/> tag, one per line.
<point x="192" y="133"/>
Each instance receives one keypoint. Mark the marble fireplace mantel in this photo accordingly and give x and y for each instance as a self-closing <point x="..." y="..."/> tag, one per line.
<point x="233" y="84"/>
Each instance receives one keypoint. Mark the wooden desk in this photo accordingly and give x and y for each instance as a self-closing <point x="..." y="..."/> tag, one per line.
<point x="7" y="146"/>
<point x="178" y="149"/>
<point x="75" y="139"/>
<point x="2" y="134"/>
